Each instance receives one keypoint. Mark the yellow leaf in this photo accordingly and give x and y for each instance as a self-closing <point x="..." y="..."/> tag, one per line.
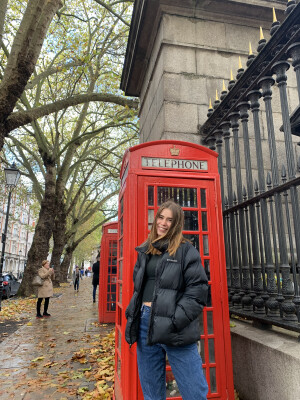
<point x="29" y="324"/>
<point x="38" y="359"/>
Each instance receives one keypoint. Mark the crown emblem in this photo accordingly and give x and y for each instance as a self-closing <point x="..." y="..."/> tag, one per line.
<point x="174" y="151"/>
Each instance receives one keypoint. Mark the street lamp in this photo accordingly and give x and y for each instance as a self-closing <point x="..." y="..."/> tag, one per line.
<point x="12" y="176"/>
<point x="20" y="252"/>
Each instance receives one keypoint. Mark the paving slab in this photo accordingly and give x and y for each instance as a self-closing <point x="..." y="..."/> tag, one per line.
<point x="37" y="360"/>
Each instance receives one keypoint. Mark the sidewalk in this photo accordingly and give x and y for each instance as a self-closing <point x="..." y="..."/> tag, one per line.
<point x="66" y="356"/>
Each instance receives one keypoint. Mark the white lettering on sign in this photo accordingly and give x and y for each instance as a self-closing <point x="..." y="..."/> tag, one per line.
<point x="171" y="163"/>
<point x="112" y="230"/>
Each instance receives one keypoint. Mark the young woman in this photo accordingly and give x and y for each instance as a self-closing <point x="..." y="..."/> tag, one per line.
<point x="170" y="291"/>
<point x="45" y="291"/>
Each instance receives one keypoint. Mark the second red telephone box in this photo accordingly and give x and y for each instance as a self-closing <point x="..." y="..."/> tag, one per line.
<point x="187" y="173"/>
<point x="108" y="273"/>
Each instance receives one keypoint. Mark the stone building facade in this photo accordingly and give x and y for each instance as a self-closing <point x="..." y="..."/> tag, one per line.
<point x="19" y="234"/>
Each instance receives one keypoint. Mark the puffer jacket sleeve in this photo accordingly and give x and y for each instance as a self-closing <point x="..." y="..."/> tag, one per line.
<point x="194" y="297"/>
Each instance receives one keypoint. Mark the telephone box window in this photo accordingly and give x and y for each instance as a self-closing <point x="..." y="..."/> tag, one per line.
<point x="121" y="248"/>
<point x="150" y="219"/>
<point x="213" y="382"/>
<point x="207" y="269"/>
<point x="120" y="293"/>
<point x="209" y="304"/>
<point x="185" y="197"/>
<point x="121" y="226"/>
<point x="190" y="221"/>
<point x="210" y="325"/>
<point x="120" y="269"/>
<point x="194" y="239"/>
<point x="211" y="350"/>
<point x="150" y="195"/>
<point x="205" y="245"/>
<point x="204" y="220"/>
<point x="203" y="198"/>
<point x="121" y="206"/>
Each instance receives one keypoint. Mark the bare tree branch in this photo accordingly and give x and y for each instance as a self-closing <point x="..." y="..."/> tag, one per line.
<point x="17" y="119"/>
<point x="108" y="8"/>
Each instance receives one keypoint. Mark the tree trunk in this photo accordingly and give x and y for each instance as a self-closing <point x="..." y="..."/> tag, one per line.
<point x="43" y="232"/>
<point x="59" y="239"/>
<point x="64" y="267"/>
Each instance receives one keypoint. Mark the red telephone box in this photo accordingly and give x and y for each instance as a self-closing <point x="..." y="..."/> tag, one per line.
<point x="108" y="273"/>
<point x="152" y="173"/>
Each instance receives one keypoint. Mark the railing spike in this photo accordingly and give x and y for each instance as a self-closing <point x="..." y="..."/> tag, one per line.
<point x="251" y="56"/>
<point x="261" y="34"/>
<point x="210" y="109"/>
<point x="231" y="82"/>
<point x="224" y="91"/>
<point x="274" y="15"/>
<point x="262" y="41"/>
<point x="275" y="24"/>
<point x="250" y="49"/>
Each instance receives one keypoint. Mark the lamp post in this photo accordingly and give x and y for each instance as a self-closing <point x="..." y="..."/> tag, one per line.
<point x="20" y="252"/>
<point x="12" y="176"/>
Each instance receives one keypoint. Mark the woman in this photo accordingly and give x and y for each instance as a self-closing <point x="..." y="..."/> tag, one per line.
<point x="45" y="291"/>
<point x="170" y="291"/>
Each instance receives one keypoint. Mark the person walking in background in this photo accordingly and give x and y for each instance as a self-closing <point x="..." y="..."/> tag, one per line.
<point x="96" y="270"/>
<point x="76" y="277"/>
<point x="46" y="290"/>
<point x="170" y="291"/>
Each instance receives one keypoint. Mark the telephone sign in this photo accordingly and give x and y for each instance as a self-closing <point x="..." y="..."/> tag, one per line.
<point x="187" y="173"/>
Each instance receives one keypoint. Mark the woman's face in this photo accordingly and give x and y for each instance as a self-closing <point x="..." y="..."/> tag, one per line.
<point x="46" y="265"/>
<point x="164" y="222"/>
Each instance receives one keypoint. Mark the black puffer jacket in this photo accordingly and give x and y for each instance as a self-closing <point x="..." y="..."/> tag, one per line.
<point x="180" y="294"/>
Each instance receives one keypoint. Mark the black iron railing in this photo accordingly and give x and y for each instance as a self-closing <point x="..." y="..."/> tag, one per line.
<point x="261" y="205"/>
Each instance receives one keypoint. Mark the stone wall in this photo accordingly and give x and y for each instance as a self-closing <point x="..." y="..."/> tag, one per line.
<point x="272" y="359"/>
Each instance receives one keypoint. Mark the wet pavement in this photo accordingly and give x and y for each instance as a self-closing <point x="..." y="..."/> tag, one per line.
<point x="45" y="358"/>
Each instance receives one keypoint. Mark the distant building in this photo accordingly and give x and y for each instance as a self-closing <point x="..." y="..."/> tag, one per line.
<point x="19" y="233"/>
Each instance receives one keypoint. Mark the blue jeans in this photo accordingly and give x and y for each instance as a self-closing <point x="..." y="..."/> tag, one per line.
<point x="185" y="362"/>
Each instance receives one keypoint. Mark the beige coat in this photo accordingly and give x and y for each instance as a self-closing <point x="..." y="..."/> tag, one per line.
<point x="47" y="289"/>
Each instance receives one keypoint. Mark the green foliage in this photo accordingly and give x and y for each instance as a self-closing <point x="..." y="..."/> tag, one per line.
<point x="84" y="144"/>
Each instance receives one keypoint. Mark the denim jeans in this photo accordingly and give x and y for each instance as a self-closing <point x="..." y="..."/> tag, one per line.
<point x="76" y="284"/>
<point x="185" y="362"/>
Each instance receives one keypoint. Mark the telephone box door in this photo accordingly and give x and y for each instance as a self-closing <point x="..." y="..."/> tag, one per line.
<point x="200" y="226"/>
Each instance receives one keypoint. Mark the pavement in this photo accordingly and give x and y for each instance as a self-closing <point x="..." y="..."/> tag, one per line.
<point x="55" y="357"/>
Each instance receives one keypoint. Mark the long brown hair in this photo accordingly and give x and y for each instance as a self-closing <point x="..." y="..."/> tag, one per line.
<point x="174" y="235"/>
